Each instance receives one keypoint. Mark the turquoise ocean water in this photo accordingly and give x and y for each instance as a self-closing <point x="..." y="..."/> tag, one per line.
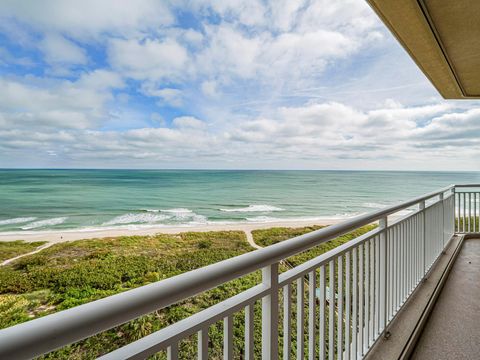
<point x="42" y="200"/>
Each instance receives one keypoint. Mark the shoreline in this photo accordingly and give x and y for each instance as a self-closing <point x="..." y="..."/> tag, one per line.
<point x="72" y="235"/>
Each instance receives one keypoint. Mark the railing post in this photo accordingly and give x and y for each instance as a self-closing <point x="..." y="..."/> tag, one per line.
<point x="383" y="272"/>
<point x="443" y="219"/>
<point x="270" y="313"/>
<point x="421" y="207"/>
<point x="454" y="210"/>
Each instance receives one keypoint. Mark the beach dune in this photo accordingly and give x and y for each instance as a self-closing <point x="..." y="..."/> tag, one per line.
<point x="71" y="235"/>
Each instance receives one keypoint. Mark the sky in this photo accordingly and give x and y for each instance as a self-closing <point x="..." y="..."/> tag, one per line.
<point x="227" y="84"/>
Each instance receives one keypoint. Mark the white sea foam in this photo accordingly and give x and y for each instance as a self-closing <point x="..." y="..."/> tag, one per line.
<point x="151" y="210"/>
<point x="177" y="211"/>
<point x="20" y="220"/>
<point x="198" y="220"/>
<point x="254" y="208"/>
<point x="43" y="223"/>
<point x="142" y="218"/>
<point x="185" y="215"/>
<point x="167" y="216"/>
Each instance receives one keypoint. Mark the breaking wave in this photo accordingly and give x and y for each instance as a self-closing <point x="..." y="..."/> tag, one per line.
<point x="147" y="218"/>
<point x="254" y="208"/>
<point x="43" y="223"/>
<point x="152" y="216"/>
<point x="19" y="220"/>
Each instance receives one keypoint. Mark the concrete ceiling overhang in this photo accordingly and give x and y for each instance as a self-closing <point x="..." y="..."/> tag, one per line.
<point x="442" y="37"/>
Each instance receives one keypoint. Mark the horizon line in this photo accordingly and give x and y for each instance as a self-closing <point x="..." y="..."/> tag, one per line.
<point x="223" y="169"/>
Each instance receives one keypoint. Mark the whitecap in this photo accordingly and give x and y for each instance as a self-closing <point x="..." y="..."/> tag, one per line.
<point x="180" y="214"/>
<point x="186" y="215"/>
<point x="178" y="211"/>
<point x="20" y="220"/>
<point x="136" y="218"/>
<point x="254" y="208"/>
<point x="43" y="223"/>
<point x="198" y="219"/>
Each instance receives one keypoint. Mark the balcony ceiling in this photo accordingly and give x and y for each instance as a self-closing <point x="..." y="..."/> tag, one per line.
<point x="442" y="37"/>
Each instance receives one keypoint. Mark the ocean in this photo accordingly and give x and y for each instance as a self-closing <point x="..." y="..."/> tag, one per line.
<point x="43" y="200"/>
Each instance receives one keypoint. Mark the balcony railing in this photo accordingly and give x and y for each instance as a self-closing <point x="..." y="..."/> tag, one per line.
<point x="341" y="301"/>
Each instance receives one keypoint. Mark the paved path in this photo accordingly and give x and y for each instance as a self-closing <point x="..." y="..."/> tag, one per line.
<point x="250" y="240"/>
<point x="40" y="248"/>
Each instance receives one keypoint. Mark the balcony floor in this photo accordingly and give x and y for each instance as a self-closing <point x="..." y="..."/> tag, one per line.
<point x="453" y="328"/>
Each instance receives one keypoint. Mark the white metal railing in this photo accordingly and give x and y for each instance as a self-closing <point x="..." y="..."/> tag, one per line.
<point x="333" y="306"/>
<point x="467" y="209"/>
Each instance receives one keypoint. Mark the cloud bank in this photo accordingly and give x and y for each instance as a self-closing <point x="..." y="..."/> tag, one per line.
<point x="219" y="84"/>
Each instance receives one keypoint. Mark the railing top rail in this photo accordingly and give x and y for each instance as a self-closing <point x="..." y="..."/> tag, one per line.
<point x="46" y="334"/>
<point x="467" y="185"/>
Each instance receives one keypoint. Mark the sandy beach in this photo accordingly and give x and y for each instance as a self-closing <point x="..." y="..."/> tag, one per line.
<point x="71" y="235"/>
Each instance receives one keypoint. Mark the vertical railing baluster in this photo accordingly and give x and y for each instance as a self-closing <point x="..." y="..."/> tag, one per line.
<point x="414" y="252"/>
<point x="300" y="319"/>
<point x="424" y="236"/>
<point x="404" y="262"/>
<point x="172" y="352"/>
<point x="331" y="310"/>
<point x="340" y="309"/>
<point x="249" y="334"/>
<point x="413" y="276"/>
<point x="322" y="340"/>
<point x="396" y="257"/>
<point x="372" y="292"/>
<point x="464" y="211"/>
<point x="456" y="212"/>
<point x="361" y="300"/>
<point x="443" y="218"/>
<point x="401" y="264"/>
<point x="270" y="313"/>
<point x="287" y="322"/>
<point x="469" y="210"/>
<point x="366" y="337"/>
<point x="383" y="285"/>
<point x="348" y="306"/>
<point x="228" y="337"/>
<point x="474" y="212"/>
<point x="202" y="344"/>
<point x="390" y="275"/>
<point x="440" y="229"/>
<point x="418" y="271"/>
<point x="409" y="256"/>
<point x="312" y="317"/>
<point x="355" y="301"/>
<point x="376" y="323"/>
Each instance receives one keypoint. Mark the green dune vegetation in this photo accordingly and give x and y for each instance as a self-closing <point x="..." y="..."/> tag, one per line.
<point x="472" y="224"/>
<point x="10" y="249"/>
<point x="265" y="237"/>
<point x="73" y="273"/>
